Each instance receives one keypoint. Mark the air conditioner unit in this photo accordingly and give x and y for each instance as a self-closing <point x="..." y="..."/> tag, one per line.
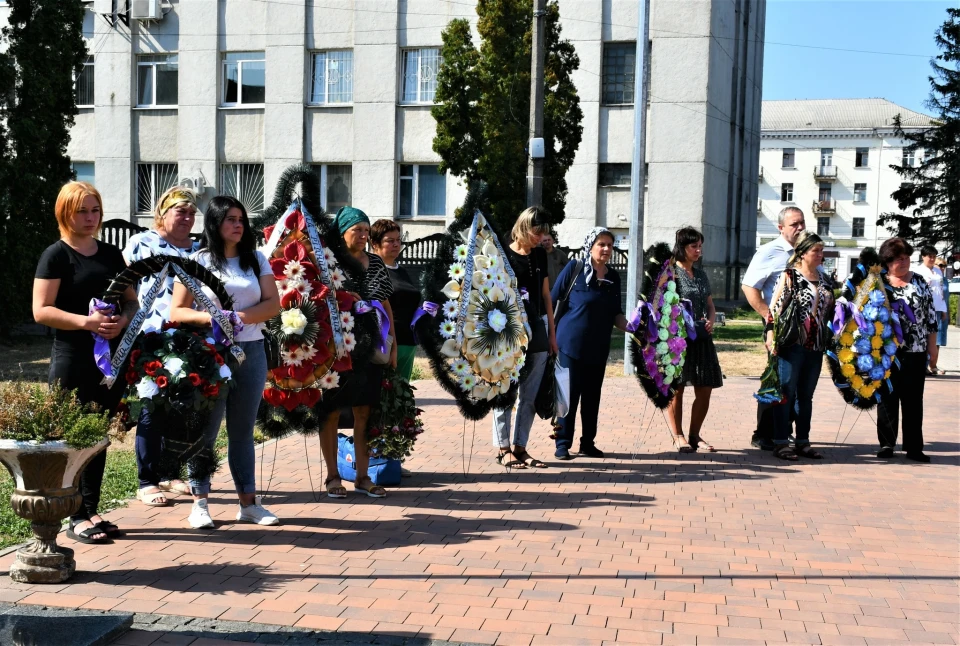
<point x="145" y="10"/>
<point x="194" y="184"/>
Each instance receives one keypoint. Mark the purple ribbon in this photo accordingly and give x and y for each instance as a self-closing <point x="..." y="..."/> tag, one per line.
<point x="635" y="319"/>
<point x="428" y="307"/>
<point x="363" y="307"/>
<point x="524" y="294"/>
<point x="686" y="308"/>
<point x="841" y="312"/>
<point x="101" y="346"/>
<point x="902" y="307"/>
<point x="866" y="328"/>
<point x="219" y="336"/>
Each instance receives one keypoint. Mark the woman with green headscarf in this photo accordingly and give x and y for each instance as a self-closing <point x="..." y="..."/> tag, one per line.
<point x="375" y="286"/>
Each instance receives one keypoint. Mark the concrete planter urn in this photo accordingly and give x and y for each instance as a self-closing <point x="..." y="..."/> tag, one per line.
<point x="46" y="477"/>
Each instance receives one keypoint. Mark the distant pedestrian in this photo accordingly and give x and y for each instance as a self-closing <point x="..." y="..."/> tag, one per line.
<point x="934" y="277"/>
<point x="758" y="283"/>
<point x="800" y="363"/>
<point x="919" y="336"/>
<point x="556" y="258"/>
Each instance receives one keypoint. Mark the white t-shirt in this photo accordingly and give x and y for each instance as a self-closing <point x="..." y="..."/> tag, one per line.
<point x="934" y="278"/>
<point x="766" y="266"/>
<point x="244" y="287"/>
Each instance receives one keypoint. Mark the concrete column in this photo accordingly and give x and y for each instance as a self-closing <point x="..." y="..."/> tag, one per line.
<point x="284" y="112"/>
<point x="113" y="93"/>
<point x="199" y="93"/>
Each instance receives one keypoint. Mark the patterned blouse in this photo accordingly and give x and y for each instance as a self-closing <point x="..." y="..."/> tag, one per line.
<point x="918" y="296"/>
<point x="696" y="289"/>
<point x="815" y="299"/>
<point x="375" y="284"/>
<point x="145" y="245"/>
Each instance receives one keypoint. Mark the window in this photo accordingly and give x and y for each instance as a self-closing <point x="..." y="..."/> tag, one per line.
<point x="157" y="80"/>
<point x="823" y="225"/>
<point x="420" y="69"/>
<point x="826" y="191"/>
<point x="863" y="157"/>
<point x="909" y="157"/>
<point x="332" y="78"/>
<point x="84" y="171"/>
<point x="789" y="157"/>
<point x="336" y="185"/>
<point x="152" y="181"/>
<point x="619" y="63"/>
<point x="859" y="192"/>
<point x="826" y="156"/>
<point x="614" y="175"/>
<point x="422" y="191"/>
<point x="858" y="227"/>
<point x="786" y="193"/>
<point x="244" y="78"/>
<point x="84" y="84"/>
<point x="244" y="182"/>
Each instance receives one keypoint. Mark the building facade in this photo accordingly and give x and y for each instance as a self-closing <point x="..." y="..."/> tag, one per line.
<point x="831" y="158"/>
<point x="222" y="95"/>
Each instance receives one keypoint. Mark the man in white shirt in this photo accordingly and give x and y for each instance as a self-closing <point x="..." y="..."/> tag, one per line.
<point x="934" y="277"/>
<point x="758" y="284"/>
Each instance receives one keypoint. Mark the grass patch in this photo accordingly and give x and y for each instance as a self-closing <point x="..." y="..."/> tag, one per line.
<point x="26" y="358"/>
<point x="740" y="333"/>
<point x="119" y="485"/>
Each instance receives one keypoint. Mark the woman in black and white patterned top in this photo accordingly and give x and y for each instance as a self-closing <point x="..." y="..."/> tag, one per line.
<point x="918" y="335"/>
<point x="800" y="363"/>
<point x="375" y="285"/>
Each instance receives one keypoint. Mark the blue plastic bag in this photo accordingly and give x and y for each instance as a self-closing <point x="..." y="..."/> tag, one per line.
<point x="382" y="471"/>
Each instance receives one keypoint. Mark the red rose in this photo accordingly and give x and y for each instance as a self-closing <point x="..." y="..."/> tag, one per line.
<point x="132" y="377"/>
<point x="134" y="356"/>
<point x="152" y="367"/>
<point x="162" y="381"/>
<point x="218" y="358"/>
<point x="211" y="390"/>
<point x="194" y="378"/>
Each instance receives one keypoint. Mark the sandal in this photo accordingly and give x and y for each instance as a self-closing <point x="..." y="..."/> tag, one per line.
<point x="373" y="491"/>
<point x="335" y="491"/>
<point x="681" y="445"/>
<point x="528" y="460"/>
<point x="87" y="536"/>
<point x="808" y="451"/>
<point x="510" y="464"/>
<point x="175" y="487"/>
<point x="108" y="528"/>
<point x="696" y="443"/>
<point x="152" y="498"/>
<point x="785" y="452"/>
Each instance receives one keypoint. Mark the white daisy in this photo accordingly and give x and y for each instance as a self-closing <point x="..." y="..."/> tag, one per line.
<point x="460" y="367"/>
<point x="349" y="341"/>
<point x="308" y="351"/>
<point x="304" y="288"/>
<point x="293" y="269"/>
<point x="329" y="257"/>
<point x="294" y="356"/>
<point x="448" y="329"/>
<point x="457" y="271"/>
<point x="450" y="309"/>
<point x="330" y="380"/>
<point x="489" y="277"/>
<point x="500" y="354"/>
<point x="337" y="278"/>
<point x="486" y="289"/>
<point x="346" y="320"/>
<point x="460" y="253"/>
<point x="493" y="263"/>
<point x="515" y="375"/>
<point x="467" y="382"/>
<point x="522" y="359"/>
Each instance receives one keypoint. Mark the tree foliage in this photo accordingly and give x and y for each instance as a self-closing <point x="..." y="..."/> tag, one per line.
<point x="483" y="106"/>
<point x="44" y="51"/>
<point x="930" y="194"/>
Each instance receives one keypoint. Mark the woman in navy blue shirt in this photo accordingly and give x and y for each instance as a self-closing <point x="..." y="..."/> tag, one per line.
<point x="583" y="335"/>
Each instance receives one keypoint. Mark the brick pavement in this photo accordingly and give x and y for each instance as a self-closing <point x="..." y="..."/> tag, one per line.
<point x="643" y="547"/>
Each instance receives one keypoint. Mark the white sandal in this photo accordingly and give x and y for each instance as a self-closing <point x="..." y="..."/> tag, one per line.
<point x="152" y="498"/>
<point x="176" y="487"/>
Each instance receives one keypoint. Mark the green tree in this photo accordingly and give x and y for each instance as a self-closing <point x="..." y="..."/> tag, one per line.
<point x="930" y="194"/>
<point x="44" y="51"/>
<point x="483" y="106"/>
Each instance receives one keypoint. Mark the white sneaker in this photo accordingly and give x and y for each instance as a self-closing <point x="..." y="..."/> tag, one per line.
<point x="200" y="515"/>
<point x="256" y="513"/>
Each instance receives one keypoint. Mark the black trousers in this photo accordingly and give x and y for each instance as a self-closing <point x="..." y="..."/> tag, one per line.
<point x="586" y="382"/>
<point x="907" y="395"/>
<point x="73" y="366"/>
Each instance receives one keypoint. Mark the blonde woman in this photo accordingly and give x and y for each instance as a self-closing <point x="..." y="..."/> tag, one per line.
<point x="529" y="262"/>
<point x="173" y="219"/>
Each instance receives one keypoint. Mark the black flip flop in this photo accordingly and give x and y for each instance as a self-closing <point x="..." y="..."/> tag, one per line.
<point x="109" y="528"/>
<point x="85" y="535"/>
<point x="528" y="460"/>
<point x="511" y="464"/>
<point x="808" y="452"/>
<point x="784" y="452"/>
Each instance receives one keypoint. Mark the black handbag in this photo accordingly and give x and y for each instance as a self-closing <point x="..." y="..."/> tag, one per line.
<point x="563" y="303"/>
<point x="789" y="329"/>
<point x="545" y="402"/>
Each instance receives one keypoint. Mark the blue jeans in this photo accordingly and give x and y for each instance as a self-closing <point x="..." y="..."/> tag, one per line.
<point x="526" y="410"/>
<point x="942" y="325"/>
<point x="799" y="373"/>
<point x="240" y="408"/>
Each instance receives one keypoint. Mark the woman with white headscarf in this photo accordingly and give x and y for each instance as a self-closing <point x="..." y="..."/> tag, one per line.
<point x="590" y="291"/>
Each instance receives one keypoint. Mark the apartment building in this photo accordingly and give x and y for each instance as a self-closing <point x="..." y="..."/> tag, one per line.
<point x="831" y="158"/>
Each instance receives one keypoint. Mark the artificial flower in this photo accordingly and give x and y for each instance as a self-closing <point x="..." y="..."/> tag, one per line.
<point x="877" y="373"/>
<point x="490" y="249"/>
<point x="293" y="270"/>
<point x="173" y="365"/>
<point x="293" y="321"/>
<point x="460" y="253"/>
<point x="450" y="348"/>
<point x="447" y="329"/>
<point x="328" y="256"/>
<point x="457" y="271"/>
<point x="349" y="341"/>
<point x="887" y="332"/>
<point x="662" y="348"/>
<point x="450" y="309"/>
<point x="663" y="334"/>
<point x="467" y="382"/>
<point x="876" y="354"/>
<point x="162" y="381"/>
<point x="493" y="262"/>
<point x="877" y="297"/>
<point x="481" y="262"/>
<point x="890" y="349"/>
<point x="848" y="370"/>
<point x="884" y="315"/>
<point x="337" y="277"/>
<point x="293" y="356"/>
<point x="846" y="339"/>
<point x="147" y="388"/>
<point x="451" y="290"/>
<point x="856" y="382"/>
<point x="346" y="320"/>
<point x="846" y="355"/>
<point x="460" y="367"/>
<point x="671" y="286"/>
<point x="876" y="342"/>
<point x="863" y="345"/>
<point x="225" y="372"/>
<point x="330" y="380"/>
<point x="864" y="362"/>
<point x="871" y="312"/>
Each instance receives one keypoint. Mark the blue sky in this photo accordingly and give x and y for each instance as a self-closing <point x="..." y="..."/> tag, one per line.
<point x="898" y="26"/>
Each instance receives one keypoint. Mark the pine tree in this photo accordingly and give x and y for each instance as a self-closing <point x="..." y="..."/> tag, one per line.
<point x="483" y="106"/>
<point x="930" y="195"/>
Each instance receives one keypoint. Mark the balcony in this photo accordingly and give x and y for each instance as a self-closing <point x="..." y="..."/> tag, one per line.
<point x="828" y="206"/>
<point x="825" y="173"/>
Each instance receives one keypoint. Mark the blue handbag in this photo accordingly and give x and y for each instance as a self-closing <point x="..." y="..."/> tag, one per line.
<point x="382" y="471"/>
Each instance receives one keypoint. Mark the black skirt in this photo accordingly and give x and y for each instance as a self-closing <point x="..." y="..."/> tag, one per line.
<point x="702" y="367"/>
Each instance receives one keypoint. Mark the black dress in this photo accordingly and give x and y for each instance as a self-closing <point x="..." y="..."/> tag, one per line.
<point x="71" y="362"/>
<point x="702" y="367"/>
